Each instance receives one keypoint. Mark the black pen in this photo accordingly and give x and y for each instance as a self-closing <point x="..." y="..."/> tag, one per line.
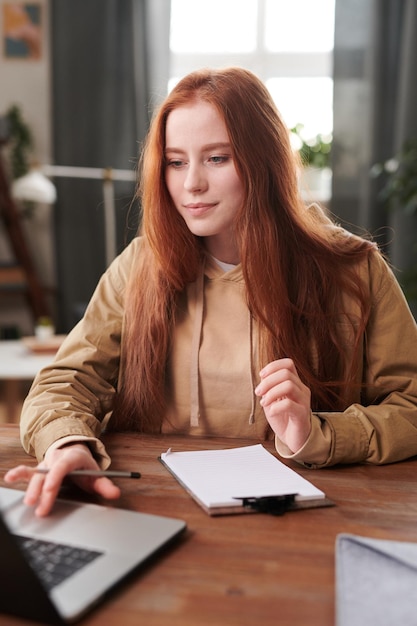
<point x="93" y="473"/>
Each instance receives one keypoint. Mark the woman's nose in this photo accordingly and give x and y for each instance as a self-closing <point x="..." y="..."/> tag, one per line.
<point x="195" y="179"/>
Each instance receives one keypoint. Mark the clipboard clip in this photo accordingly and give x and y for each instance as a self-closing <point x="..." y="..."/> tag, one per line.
<point x="274" y="505"/>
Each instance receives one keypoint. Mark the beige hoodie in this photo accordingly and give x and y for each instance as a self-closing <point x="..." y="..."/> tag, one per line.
<point x="213" y="370"/>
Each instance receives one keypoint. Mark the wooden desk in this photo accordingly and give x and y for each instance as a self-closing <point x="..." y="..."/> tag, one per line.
<point x="247" y="569"/>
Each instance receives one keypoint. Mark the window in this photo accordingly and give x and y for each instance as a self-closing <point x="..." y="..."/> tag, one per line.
<point x="287" y="43"/>
<point x="299" y="25"/>
<point x="204" y="27"/>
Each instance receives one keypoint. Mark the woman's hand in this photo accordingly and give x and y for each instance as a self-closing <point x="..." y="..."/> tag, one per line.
<point x="286" y="403"/>
<point x="43" y="489"/>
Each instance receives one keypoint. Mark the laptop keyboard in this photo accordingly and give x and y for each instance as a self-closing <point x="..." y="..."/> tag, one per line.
<point x="54" y="562"/>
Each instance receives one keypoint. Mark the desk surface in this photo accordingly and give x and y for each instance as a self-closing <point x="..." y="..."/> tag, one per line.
<point x="247" y="569"/>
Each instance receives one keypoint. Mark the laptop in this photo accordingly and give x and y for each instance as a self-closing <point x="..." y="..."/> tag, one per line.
<point x="55" y="569"/>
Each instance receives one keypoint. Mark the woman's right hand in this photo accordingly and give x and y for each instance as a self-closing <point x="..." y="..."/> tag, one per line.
<point x="43" y="489"/>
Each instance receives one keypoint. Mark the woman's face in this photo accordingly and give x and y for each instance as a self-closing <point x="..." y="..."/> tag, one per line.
<point x="201" y="176"/>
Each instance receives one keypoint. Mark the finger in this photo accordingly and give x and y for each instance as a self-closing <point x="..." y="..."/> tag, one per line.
<point x="287" y="389"/>
<point x="275" y="378"/>
<point x="19" y="473"/>
<point x="45" y="502"/>
<point x="43" y="489"/>
<point x="43" y="492"/>
<point x="35" y="486"/>
<point x="34" y="489"/>
<point x="103" y="486"/>
<point x="276" y="366"/>
<point x="285" y="406"/>
<point x="106" y="488"/>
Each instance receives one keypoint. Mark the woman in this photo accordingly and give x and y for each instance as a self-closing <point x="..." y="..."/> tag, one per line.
<point x="237" y="312"/>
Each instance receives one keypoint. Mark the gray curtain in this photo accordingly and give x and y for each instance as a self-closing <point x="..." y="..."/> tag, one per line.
<point x="110" y="66"/>
<point x="375" y="105"/>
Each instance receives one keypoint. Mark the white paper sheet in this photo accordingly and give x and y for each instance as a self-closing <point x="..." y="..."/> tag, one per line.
<point x="216" y="477"/>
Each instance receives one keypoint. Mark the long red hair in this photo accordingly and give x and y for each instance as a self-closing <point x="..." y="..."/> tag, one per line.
<point x="294" y="269"/>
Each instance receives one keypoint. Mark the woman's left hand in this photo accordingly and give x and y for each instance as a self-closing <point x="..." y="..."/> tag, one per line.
<point x="286" y="402"/>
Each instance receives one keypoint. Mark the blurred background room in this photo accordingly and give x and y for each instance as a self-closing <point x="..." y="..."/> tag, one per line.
<point x="79" y="80"/>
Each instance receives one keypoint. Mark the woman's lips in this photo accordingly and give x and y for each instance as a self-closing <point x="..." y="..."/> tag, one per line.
<point x="199" y="208"/>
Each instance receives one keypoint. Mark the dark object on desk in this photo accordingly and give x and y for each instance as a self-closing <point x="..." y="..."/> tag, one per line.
<point x="93" y="473"/>
<point x="274" y="505"/>
<point x="103" y="545"/>
<point x="376" y="581"/>
<point x="10" y="331"/>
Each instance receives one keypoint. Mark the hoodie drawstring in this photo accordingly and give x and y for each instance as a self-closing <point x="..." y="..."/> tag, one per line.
<point x="195" y="349"/>
<point x="251" y="381"/>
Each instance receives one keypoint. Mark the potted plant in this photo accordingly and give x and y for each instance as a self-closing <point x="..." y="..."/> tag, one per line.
<point x="400" y="173"/>
<point x="315" y="152"/>
<point x="44" y="328"/>
<point x="399" y="192"/>
<point x="21" y="142"/>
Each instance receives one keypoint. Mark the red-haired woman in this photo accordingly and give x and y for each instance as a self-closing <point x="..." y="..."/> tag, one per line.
<point x="237" y="311"/>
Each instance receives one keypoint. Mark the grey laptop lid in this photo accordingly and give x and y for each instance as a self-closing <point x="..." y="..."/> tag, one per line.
<point x="119" y="540"/>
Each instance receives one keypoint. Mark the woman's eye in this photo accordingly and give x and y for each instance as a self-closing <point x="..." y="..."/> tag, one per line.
<point x="218" y="159"/>
<point x="175" y="163"/>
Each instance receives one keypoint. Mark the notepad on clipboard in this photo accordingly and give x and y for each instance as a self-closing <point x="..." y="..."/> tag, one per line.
<point x="222" y="481"/>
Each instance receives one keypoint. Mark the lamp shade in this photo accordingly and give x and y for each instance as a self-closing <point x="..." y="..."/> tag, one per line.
<point x="34" y="187"/>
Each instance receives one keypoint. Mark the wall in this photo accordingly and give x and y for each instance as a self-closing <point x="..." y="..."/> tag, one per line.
<point x="27" y="83"/>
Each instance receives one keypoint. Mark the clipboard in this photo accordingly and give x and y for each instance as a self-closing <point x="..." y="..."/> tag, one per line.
<point x="247" y="479"/>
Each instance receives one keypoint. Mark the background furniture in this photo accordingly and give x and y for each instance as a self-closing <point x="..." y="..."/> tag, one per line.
<point x="22" y="276"/>
<point x="17" y="364"/>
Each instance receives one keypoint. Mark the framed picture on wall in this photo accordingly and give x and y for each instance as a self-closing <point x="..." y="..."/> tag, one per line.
<point x="22" y="30"/>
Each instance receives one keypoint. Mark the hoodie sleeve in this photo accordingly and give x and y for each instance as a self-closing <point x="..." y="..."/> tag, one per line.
<point x="382" y="426"/>
<point x="72" y="396"/>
